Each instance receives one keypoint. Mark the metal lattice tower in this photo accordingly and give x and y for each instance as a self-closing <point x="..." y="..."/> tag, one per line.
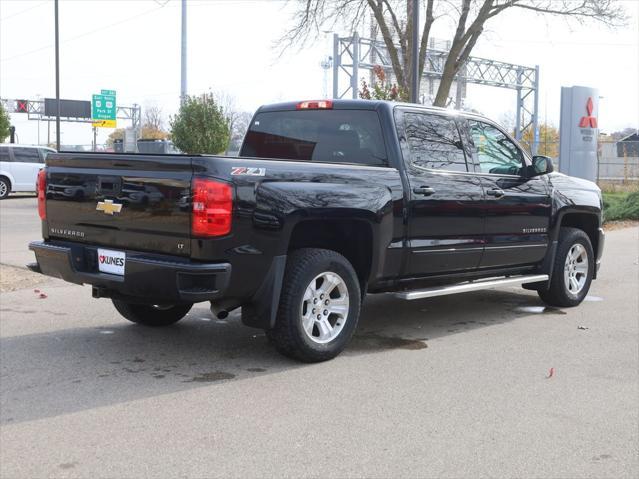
<point x="354" y="53"/>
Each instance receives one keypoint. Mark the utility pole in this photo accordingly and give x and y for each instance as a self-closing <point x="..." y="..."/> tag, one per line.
<point x="414" y="67"/>
<point x="183" y="62"/>
<point x="57" y="79"/>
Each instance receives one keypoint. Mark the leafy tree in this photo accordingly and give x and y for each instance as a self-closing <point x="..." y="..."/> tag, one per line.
<point x="548" y="140"/>
<point x="393" y="19"/>
<point x="382" y="89"/>
<point x="117" y="134"/>
<point x="200" y="126"/>
<point x="150" y="133"/>
<point x="4" y="123"/>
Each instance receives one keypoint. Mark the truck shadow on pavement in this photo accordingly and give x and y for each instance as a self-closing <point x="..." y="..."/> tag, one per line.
<point x="71" y="370"/>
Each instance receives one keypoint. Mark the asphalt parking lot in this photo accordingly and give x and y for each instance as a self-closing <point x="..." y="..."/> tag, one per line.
<point x="453" y="386"/>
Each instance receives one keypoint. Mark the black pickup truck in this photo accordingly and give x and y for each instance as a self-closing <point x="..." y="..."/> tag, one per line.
<point x="328" y="201"/>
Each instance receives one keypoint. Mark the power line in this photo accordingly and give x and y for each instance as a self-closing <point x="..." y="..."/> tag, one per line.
<point x="82" y="35"/>
<point x="23" y="11"/>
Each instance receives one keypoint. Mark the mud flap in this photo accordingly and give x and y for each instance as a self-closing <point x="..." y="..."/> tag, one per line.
<point x="546" y="267"/>
<point x="261" y="310"/>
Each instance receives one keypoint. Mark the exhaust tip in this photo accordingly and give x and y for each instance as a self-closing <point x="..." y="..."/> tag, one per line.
<point x="219" y="312"/>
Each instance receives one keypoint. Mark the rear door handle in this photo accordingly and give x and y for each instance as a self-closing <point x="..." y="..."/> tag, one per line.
<point x="423" y="190"/>
<point x="496" y="192"/>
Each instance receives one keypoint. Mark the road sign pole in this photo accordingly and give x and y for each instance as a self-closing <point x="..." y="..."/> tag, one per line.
<point x="57" y="79"/>
<point x="95" y="137"/>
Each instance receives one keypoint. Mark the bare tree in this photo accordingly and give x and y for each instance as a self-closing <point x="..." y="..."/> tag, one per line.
<point x="469" y="16"/>
<point x="153" y="118"/>
<point x="238" y="130"/>
<point x="228" y="104"/>
<point x="238" y="120"/>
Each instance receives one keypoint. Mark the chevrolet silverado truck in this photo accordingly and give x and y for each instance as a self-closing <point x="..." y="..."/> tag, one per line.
<point x="327" y="201"/>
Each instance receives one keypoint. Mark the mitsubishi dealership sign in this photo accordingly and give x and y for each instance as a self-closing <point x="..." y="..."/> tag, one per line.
<point x="578" y="132"/>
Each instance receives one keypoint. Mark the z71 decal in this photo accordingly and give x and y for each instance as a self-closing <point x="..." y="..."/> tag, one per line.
<point x="245" y="171"/>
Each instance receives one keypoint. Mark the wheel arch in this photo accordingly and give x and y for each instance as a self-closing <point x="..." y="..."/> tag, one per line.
<point x="7" y="176"/>
<point x="587" y="221"/>
<point x="352" y="237"/>
<point x="355" y="234"/>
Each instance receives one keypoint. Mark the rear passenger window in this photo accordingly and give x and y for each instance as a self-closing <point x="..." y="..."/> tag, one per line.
<point x="4" y="154"/>
<point x="434" y="142"/>
<point x="331" y="136"/>
<point x="26" y="155"/>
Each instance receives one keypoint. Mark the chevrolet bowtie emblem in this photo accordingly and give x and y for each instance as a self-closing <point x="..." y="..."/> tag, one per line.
<point x="109" y="207"/>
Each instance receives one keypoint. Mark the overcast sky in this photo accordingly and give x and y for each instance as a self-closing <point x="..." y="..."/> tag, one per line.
<point x="133" y="47"/>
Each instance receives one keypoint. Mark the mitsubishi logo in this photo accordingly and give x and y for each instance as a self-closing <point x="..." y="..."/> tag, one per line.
<point x="109" y="207"/>
<point x="588" y="120"/>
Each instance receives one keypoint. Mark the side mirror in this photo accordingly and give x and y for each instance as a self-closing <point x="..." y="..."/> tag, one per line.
<point x="541" y="165"/>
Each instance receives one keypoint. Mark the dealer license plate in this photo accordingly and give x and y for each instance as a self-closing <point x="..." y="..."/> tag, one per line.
<point x="111" y="262"/>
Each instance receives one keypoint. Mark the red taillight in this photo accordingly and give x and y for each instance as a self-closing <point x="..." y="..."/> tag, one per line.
<point x="315" y="105"/>
<point x="212" y="206"/>
<point x="42" y="193"/>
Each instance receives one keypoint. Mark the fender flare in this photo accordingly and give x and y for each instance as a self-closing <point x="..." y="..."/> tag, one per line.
<point x="548" y="263"/>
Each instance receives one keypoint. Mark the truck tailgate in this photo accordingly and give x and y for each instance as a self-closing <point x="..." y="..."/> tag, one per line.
<point x="134" y="202"/>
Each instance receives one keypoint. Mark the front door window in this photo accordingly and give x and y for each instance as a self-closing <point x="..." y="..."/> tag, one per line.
<point x="496" y="153"/>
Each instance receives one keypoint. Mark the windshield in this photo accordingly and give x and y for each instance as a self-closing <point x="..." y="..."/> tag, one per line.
<point x="332" y="136"/>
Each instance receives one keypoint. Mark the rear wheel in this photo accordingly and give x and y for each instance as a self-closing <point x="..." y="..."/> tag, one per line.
<point x="155" y="315"/>
<point x="5" y="188"/>
<point x="319" y="306"/>
<point x="572" y="271"/>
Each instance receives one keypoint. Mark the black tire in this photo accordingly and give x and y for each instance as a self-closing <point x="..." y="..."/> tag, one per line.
<point x="152" y="315"/>
<point x="289" y="335"/>
<point x="5" y="188"/>
<point x="559" y="293"/>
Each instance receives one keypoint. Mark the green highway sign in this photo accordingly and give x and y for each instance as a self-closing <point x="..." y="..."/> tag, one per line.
<point x="103" y="106"/>
<point x="108" y="92"/>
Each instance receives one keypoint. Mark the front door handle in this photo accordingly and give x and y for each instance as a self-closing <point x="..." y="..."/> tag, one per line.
<point x="496" y="192"/>
<point x="423" y="190"/>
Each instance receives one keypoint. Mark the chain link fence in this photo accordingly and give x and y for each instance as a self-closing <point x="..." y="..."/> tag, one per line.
<point x="617" y="161"/>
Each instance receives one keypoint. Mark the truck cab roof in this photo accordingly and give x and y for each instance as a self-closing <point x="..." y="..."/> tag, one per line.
<point x="343" y="104"/>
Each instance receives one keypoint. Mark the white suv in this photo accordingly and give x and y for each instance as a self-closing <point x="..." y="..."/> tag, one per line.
<point x="19" y="166"/>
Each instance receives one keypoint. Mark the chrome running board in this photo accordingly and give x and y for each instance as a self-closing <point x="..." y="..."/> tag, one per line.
<point x="489" y="283"/>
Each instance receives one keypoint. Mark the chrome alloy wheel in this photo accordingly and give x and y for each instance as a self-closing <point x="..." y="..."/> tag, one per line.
<point x="576" y="269"/>
<point x="3" y="189"/>
<point x="324" y="308"/>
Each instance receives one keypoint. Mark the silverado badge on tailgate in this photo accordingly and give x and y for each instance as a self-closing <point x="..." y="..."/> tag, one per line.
<point x="109" y="207"/>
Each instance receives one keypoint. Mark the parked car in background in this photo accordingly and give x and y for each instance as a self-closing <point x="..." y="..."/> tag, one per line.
<point x="19" y="166"/>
